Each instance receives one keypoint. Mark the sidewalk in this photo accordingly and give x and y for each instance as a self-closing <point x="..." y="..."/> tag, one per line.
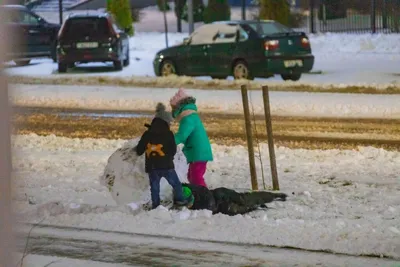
<point x="138" y="249"/>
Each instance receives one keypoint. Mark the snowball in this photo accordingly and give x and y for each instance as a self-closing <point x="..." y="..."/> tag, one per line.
<point x="133" y="206"/>
<point x="127" y="181"/>
<point x="74" y="206"/>
<point x="183" y="215"/>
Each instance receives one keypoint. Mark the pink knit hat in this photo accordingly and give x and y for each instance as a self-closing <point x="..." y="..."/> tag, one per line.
<point x="181" y="94"/>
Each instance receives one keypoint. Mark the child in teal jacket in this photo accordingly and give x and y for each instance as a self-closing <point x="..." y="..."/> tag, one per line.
<point x="191" y="133"/>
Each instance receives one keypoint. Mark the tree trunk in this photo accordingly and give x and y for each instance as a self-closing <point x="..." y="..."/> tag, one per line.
<point x="179" y="4"/>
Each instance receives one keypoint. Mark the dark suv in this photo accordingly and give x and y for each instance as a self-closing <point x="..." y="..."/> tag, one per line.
<point x="92" y="37"/>
<point x="32" y="36"/>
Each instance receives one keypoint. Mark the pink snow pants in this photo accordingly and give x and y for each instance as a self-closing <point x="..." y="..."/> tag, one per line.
<point x="196" y="173"/>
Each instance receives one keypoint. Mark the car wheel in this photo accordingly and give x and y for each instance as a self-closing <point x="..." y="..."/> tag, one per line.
<point x="127" y="59"/>
<point x="62" y="67"/>
<point x="219" y="77"/>
<point x="241" y="71"/>
<point x="118" y="65"/>
<point x="22" y="62"/>
<point x="167" y="68"/>
<point x="292" y="77"/>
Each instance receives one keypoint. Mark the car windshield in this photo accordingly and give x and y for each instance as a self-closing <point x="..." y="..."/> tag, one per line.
<point x="269" y="28"/>
<point x="18" y="16"/>
<point x="82" y="27"/>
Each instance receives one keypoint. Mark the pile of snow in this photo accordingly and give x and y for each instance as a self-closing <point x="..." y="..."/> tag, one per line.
<point x="215" y="101"/>
<point x="343" y="200"/>
<point x="126" y="179"/>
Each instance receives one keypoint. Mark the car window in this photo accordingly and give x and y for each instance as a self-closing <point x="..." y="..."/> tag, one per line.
<point x="27" y="18"/>
<point x="267" y="28"/>
<point x="204" y="34"/>
<point x="82" y="27"/>
<point x="225" y="38"/>
<point x="243" y="35"/>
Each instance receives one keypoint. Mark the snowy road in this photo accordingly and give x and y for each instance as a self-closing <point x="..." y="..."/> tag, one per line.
<point x="215" y="101"/>
<point x="146" y="250"/>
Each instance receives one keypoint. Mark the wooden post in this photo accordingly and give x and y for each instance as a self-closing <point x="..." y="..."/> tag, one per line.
<point x="243" y="9"/>
<point x="190" y="16"/>
<point x="272" y="159"/>
<point x="165" y="22"/>
<point x="60" y="11"/>
<point x="373" y="16"/>
<point x="312" y="22"/>
<point x="249" y="135"/>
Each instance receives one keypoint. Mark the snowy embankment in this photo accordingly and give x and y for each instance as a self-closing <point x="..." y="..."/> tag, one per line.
<point x="343" y="59"/>
<point x="34" y="260"/>
<point x="226" y="101"/>
<point x="344" y="201"/>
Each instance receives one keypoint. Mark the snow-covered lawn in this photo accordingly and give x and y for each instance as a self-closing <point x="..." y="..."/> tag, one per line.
<point x="221" y="101"/>
<point x="41" y="261"/>
<point x="344" y="201"/>
<point x="342" y="58"/>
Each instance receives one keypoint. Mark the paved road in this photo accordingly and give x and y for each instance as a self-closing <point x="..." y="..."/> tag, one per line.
<point x="146" y="250"/>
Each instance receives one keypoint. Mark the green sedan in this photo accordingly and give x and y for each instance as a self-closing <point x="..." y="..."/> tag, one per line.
<point x="242" y="49"/>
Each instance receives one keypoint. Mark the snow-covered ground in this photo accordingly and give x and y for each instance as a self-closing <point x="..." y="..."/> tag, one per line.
<point x="342" y="58"/>
<point x="226" y="101"/>
<point x="340" y="200"/>
<point x="33" y="260"/>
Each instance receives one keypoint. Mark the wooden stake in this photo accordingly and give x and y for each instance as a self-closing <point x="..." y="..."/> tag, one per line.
<point x="267" y="112"/>
<point x="249" y="135"/>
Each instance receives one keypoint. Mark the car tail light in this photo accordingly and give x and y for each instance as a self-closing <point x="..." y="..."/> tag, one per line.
<point x="305" y="42"/>
<point x="111" y="28"/>
<point x="271" y="45"/>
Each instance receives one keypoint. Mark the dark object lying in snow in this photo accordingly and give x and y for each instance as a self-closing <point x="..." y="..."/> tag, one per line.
<point x="230" y="202"/>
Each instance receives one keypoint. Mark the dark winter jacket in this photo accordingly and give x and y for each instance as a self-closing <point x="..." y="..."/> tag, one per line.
<point x="158" y="143"/>
<point x="228" y="201"/>
<point x="203" y="198"/>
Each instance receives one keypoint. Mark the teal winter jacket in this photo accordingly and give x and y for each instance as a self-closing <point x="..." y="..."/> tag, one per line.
<point x="192" y="134"/>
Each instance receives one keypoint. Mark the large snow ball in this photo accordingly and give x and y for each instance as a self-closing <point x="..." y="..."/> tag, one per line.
<point x="126" y="179"/>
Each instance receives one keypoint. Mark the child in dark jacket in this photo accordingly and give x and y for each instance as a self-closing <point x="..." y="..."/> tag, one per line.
<point x="158" y="143"/>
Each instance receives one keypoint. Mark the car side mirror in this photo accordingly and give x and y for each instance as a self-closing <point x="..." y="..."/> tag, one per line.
<point x="186" y="41"/>
<point x="42" y="21"/>
<point x="215" y="37"/>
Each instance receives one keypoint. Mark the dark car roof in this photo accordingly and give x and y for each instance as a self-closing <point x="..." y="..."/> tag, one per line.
<point x="20" y="7"/>
<point x="89" y="15"/>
